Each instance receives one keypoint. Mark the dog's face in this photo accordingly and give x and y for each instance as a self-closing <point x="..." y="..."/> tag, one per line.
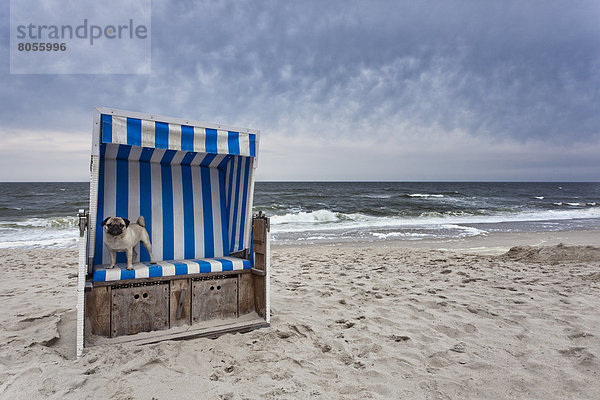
<point x="115" y="226"/>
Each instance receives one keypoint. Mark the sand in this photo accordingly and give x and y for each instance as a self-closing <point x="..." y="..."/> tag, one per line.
<point x="380" y="321"/>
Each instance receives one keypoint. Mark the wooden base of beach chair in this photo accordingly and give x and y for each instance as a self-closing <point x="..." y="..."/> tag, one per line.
<point x="128" y="308"/>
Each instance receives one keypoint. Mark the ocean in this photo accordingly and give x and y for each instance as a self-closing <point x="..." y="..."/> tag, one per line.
<point x="43" y="215"/>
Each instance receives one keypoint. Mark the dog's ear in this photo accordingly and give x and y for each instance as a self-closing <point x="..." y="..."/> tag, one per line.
<point x="104" y="222"/>
<point x="126" y="222"/>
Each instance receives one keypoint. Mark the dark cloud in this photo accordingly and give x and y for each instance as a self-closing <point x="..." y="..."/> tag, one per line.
<point x="511" y="72"/>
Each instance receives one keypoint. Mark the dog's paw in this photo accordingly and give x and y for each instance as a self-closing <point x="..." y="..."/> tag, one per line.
<point x="130" y="268"/>
<point x="152" y="262"/>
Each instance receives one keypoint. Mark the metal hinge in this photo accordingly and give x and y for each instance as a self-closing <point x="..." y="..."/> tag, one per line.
<point x="83" y="221"/>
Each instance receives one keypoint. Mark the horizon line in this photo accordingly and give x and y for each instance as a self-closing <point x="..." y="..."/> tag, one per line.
<point x="361" y="181"/>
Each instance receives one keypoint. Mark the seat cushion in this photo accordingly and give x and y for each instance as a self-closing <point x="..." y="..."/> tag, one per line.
<point x="169" y="268"/>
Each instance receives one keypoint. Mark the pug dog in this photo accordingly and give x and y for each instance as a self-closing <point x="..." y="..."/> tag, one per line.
<point x="121" y="235"/>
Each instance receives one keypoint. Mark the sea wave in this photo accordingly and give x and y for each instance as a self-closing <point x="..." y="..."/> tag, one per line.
<point x="376" y="196"/>
<point x="403" y="235"/>
<point x="11" y="209"/>
<point x="426" y="195"/>
<point x="51" y="222"/>
<point x="464" y="231"/>
<point x="321" y="224"/>
<point x="324" y="220"/>
<point x="304" y="217"/>
<point x="51" y="232"/>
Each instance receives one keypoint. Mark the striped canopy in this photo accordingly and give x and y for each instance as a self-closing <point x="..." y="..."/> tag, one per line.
<point x="192" y="184"/>
<point x="174" y="136"/>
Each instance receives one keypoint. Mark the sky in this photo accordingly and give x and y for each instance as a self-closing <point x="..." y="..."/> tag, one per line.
<point x="342" y="90"/>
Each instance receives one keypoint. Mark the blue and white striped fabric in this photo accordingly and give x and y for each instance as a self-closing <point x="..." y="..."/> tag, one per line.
<point x="162" y="135"/>
<point x="237" y="184"/>
<point x="196" y="204"/>
<point x="170" y="268"/>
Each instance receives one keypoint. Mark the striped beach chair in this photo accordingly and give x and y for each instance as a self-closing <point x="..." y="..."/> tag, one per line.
<point x="193" y="183"/>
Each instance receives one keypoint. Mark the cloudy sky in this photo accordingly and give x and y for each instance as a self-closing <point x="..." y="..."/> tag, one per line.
<point x="342" y="90"/>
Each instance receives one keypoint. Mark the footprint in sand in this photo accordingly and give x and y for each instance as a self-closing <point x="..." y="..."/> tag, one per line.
<point x="579" y="335"/>
<point x="582" y="355"/>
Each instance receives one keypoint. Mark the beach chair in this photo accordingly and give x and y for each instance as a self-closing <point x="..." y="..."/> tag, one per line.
<point x="194" y="184"/>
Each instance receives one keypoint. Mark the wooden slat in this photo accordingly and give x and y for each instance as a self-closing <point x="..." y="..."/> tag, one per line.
<point x="210" y="329"/>
<point x="139" y="309"/>
<point x="177" y="288"/>
<point x="97" y="311"/>
<point x="258" y="278"/>
<point x="259" y="229"/>
<point x="245" y="294"/>
<point x="260" y="300"/>
<point x="259" y="261"/>
<point x="214" y="299"/>
<point x="259" y="247"/>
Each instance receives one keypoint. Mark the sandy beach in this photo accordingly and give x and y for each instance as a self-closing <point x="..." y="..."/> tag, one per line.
<point x="428" y="320"/>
